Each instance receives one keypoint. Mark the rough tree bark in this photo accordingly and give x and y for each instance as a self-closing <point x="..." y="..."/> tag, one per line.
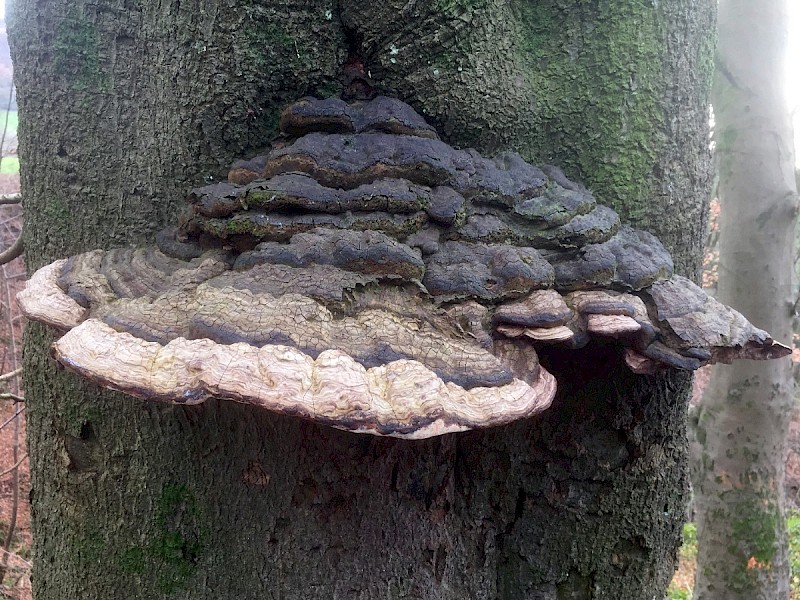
<point x="743" y="421"/>
<point x="124" y="106"/>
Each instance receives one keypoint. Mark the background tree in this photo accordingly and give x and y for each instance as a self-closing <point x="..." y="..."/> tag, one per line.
<point x="124" y="106"/>
<point x="744" y="417"/>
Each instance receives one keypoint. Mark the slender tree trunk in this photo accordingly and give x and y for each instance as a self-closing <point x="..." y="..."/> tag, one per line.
<point x="744" y="417"/>
<point x="124" y="106"/>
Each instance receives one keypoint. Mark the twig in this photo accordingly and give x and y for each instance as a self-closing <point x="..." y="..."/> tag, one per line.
<point x="21" y="575"/>
<point x="16" y="556"/>
<point x="11" y="374"/>
<point x="15" y="198"/>
<point x="13" y="468"/>
<point x="11" y="419"/>
<point x="10" y="396"/>
<point x="15" y="251"/>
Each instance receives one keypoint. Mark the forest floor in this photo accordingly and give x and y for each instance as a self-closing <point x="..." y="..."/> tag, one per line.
<point x="14" y="472"/>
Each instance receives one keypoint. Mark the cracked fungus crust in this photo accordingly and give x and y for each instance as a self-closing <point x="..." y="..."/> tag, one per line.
<point x="368" y="276"/>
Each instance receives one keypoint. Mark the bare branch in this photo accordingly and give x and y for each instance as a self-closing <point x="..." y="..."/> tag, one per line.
<point x="15" y="556"/>
<point x="15" y="251"/>
<point x="11" y="374"/>
<point x="12" y="418"/>
<point x="14" y="466"/>
<point x="8" y="199"/>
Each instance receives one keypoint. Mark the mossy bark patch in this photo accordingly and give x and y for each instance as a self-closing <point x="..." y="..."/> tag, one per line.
<point x="180" y="539"/>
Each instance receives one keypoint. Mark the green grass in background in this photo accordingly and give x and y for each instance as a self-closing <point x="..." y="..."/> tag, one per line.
<point x="793" y="526"/>
<point x="675" y="593"/>
<point x="12" y="119"/>
<point x="688" y="555"/>
<point x="689" y="548"/>
<point x="10" y="164"/>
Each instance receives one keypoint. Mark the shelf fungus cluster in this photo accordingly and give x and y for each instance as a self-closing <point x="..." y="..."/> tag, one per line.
<point x="368" y="276"/>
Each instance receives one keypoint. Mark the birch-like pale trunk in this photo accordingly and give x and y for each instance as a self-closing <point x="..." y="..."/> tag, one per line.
<point x="744" y="417"/>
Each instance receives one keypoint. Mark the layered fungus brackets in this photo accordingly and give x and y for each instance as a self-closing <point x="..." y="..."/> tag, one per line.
<point x="368" y="276"/>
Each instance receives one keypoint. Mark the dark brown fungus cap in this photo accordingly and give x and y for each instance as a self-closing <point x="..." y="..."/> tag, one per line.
<point x="370" y="277"/>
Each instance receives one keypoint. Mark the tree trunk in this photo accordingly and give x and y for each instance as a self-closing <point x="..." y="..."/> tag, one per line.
<point x="744" y="417"/>
<point x="124" y="106"/>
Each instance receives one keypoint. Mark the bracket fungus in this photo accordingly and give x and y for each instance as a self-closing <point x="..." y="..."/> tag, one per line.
<point x="368" y="276"/>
